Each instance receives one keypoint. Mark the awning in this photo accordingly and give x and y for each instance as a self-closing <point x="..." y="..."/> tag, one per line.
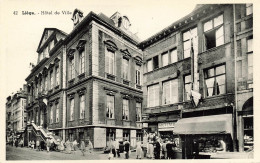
<point x="215" y="124"/>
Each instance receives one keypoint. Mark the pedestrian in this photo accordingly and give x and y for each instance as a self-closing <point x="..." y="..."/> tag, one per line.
<point x="16" y="143"/>
<point x="33" y="144"/>
<point x="82" y="147"/>
<point x="37" y="145"/>
<point x="75" y="144"/>
<point x="113" y="147"/>
<point x="151" y="149"/>
<point x="169" y="147"/>
<point x="117" y="147"/>
<point x="62" y="146"/>
<point x="30" y="144"/>
<point x="157" y="149"/>
<point x="127" y="148"/>
<point x="21" y="143"/>
<point x="90" y="146"/>
<point x="68" y="147"/>
<point x="42" y="145"/>
<point x="164" y="149"/>
<point x="48" y="144"/>
<point x="139" y="150"/>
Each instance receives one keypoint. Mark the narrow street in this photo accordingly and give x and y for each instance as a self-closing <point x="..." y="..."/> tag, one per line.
<point x="13" y="153"/>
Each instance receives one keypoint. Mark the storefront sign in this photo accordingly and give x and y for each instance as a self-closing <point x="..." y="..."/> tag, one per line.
<point x="166" y="125"/>
<point x="145" y="125"/>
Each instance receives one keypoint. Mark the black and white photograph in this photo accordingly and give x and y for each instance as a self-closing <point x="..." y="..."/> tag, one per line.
<point x="128" y="80"/>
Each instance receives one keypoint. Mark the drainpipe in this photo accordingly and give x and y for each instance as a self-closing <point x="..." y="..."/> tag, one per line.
<point x="235" y="60"/>
<point x="64" y="102"/>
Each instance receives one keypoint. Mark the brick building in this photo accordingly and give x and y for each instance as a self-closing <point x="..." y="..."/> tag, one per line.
<point x="170" y="74"/>
<point x="16" y="116"/>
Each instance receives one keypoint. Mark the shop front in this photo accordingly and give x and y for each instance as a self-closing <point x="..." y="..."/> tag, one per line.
<point x="203" y="136"/>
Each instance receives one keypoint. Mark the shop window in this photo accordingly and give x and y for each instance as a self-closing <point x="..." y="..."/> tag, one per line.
<point x="250" y="58"/>
<point x="214" y="32"/>
<point x="186" y="37"/>
<point x="72" y="109"/>
<point x="138" y="112"/>
<point x="248" y="133"/>
<point x="82" y="61"/>
<point x="249" y="9"/>
<point x="173" y="55"/>
<point x="170" y="92"/>
<point x="57" y="112"/>
<point x="125" y="109"/>
<point x="110" y="107"/>
<point x="125" y="68"/>
<point x="153" y="94"/>
<point x="165" y="59"/>
<point x="215" y="81"/>
<point x="110" y="61"/>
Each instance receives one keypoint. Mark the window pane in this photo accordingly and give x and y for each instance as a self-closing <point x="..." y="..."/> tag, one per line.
<point x="187" y="79"/>
<point x="165" y="59"/>
<point x="194" y="32"/>
<point x="186" y="35"/>
<point x="209" y="86"/>
<point x="166" y="92"/>
<point x="209" y="73"/>
<point x="186" y="45"/>
<point x="156" y="95"/>
<point x="220" y="70"/>
<point x="174" y="91"/>
<point x="220" y="80"/>
<point x="218" y="20"/>
<point x="250" y="66"/>
<point x="220" y="36"/>
<point x="249" y="45"/>
<point x="249" y="9"/>
<point x="174" y="57"/>
<point x="187" y="90"/>
<point x="149" y="66"/>
<point x="208" y="25"/>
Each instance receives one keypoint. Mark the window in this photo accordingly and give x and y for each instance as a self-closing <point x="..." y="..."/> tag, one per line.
<point x="36" y="117"/>
<point x="214" y="32"/>
<point x="138" y="74"/>
<point x="41" y="85"/>
<point x="57" y="112"/>
<point x="173" y="55"/>
<point x="36" y="89"/>
<point x="170" y="92"/>
<point x="110" y="62"/>
<point x="51" y="78"/>
<point x="45" y="84"/>
<point x="165" y="59"/>
<point x="82" y="107"/>
<point x="149" y="65"/>
<point x="71" y="69"/>
<point x="125" y="109"/>
<point x="72" y="109"/>
<point x="51" y="114"/>
<point x="192" y="33"/>
<point x="82" y="61"/>
<point x="153" y="95"/>
<point x="187" y="86"/>
<point x="250" y="58"/>
<point x="51" y="45"/>
<point x="125" y="68"/>
<point x="249" y="9"/>
<point x="215" y="80"/>
<point x="155" y="62"/>
<point x="57" y="76"/>
<point x="110" y="107"/>
<point x="138" y="112"/>
<point x="45" y="52"/>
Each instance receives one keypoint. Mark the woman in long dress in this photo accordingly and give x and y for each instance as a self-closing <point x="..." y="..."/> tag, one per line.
<point x="138" y="150"/>
<point x="68" y="147"/>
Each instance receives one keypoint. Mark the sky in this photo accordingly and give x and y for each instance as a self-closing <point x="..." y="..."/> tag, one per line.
<point x="23" y="32"/>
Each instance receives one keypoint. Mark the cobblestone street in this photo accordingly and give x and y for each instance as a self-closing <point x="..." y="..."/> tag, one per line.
<point x="13" y="153"/>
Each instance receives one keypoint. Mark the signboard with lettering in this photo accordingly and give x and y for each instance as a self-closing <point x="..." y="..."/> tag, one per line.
<point x="145" y="125"/>
<point x="166" y="125"/>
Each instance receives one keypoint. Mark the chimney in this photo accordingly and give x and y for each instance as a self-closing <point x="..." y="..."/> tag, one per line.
<point x="77" y="17"/>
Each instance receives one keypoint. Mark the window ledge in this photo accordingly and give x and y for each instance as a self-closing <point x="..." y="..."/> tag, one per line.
<point x="82" y="75"/>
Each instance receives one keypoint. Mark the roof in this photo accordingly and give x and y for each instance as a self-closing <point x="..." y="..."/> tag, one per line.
<point x="173" y="27"/>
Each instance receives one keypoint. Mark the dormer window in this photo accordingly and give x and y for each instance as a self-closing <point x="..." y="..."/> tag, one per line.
<point x="125" y="22"/>
<point x="45" y="35"/>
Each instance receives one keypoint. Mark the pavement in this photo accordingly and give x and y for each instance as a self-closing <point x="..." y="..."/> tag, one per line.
<point x="13" y="153"/>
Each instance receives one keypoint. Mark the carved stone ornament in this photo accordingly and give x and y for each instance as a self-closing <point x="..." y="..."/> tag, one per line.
<point x="110" y="45"/>
<point x="110" y="91"/>
<point x="81" y="91"/>
<point x="70" y="53"/>
<point x="81" y="45"/>
<point x="126" y="53"/>
<point x="138" y="60"/>
<point x="71" y="95"/>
